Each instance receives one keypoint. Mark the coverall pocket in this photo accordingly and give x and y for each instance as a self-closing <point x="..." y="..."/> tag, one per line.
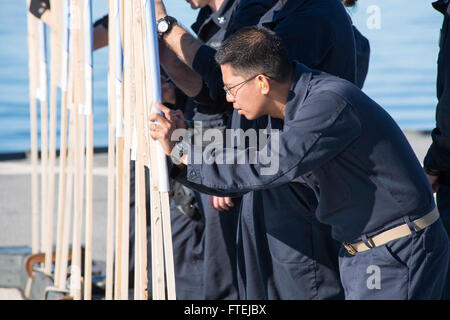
<point x="375" y="274"/>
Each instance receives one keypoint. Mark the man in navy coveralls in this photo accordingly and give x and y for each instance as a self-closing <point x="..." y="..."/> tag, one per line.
<point x="372" y="190"/>
<point x="261" y="246"/>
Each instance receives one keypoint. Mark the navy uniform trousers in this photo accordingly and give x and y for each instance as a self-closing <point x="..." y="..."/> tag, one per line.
<point x="283" y="251"/>
<point x="443" y="203"/>
<point x="409" y="268"/>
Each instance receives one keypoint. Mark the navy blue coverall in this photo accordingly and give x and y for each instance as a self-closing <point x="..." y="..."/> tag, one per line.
<point x="438" y="156"/>
<point x="366" y="176"/>
<point x="274" y="263"/>
<point x="219" y="234"/>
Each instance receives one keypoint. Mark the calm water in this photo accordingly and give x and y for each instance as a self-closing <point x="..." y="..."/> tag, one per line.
<point x="403" y="34"/>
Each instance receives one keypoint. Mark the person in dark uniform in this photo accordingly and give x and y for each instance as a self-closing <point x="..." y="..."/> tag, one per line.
<point x="273" y="248"/>
<point x="371" y="187"/>
<point x="362" y="47"/>
<point x="219" y="232"/>
<point x="437" y="160"/>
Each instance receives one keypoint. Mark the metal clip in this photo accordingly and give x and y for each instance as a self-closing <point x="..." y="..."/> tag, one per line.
<point x="350" y="249"/>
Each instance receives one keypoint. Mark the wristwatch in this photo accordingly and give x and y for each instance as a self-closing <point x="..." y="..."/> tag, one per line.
<point x="164" y="25"/>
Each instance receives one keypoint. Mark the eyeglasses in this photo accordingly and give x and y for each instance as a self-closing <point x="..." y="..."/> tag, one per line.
<point x="228" y="90"/>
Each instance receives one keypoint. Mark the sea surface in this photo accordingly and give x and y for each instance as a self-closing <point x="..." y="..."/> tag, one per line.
<point x="404" y="37"/>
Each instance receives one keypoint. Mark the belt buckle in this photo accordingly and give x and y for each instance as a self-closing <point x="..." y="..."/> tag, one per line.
<point x="350" y="249"/>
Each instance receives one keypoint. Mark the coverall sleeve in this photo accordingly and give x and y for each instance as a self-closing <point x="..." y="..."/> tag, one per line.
<point x="438" y="156"/>
<point x="212" y="93"/>
<point x="319" y="131"/>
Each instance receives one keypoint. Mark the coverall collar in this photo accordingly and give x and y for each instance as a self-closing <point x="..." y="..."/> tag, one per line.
<point x="441" y="5"/>
<point x="299" y="88"/>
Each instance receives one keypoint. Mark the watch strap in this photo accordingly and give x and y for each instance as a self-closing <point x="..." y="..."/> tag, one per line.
<point x="171" y="21"/>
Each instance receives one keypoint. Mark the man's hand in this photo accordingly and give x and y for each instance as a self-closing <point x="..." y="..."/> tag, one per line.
<point x="221" y="203"/>
<point x="434" y="182"/>
<point x="160" y="9"/>
<point x="165" y="126"/>
<point x="167" y="91"/>
<point x="100" y="38"/>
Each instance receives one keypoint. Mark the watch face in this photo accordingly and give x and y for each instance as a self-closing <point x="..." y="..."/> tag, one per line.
<point x="163" y="26"/>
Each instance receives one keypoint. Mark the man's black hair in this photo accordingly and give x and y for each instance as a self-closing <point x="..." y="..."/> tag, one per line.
<point x="256" y="50"/>
<point x="349" y="3"/>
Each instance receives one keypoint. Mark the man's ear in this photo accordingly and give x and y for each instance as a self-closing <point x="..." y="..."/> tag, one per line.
<point x="264" y="84"/>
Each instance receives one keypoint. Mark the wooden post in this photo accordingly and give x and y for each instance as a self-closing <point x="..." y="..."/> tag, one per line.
<point x="163" y="179"/>
<point x="33" y="83"/>
<point x="54" y="82"/>
<point x="42" y="96"/>
<point x="62" y="214"/>
<point x="88" y="48"/>
<point x="113" y="40"/>
<point x="70" y="172"/>
<point x="140" y="286"/>
<point x="157" y="249"/>
<point x="129" y="103"/>
<point x="119" y="147"/>
<point x="79" y="100"/>
<point x="159" y="164"/>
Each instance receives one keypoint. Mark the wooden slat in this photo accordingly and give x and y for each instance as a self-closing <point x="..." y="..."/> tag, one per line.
<point x="113" y="10"/>
<point x="33" y="63"/>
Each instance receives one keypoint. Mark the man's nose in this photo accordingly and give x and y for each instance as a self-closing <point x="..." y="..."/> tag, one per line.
<point x="230" y="98"/>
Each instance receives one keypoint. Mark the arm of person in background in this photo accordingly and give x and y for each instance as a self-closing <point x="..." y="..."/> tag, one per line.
<point x="221" y="203"/>
<point x="41" y="9"/>
<point x="437" y="160"/>
<point x="101" y="33"/>
<point x="178" y="63"/>
<point x="181" y="74"/>
<point x="179" y="40"/>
